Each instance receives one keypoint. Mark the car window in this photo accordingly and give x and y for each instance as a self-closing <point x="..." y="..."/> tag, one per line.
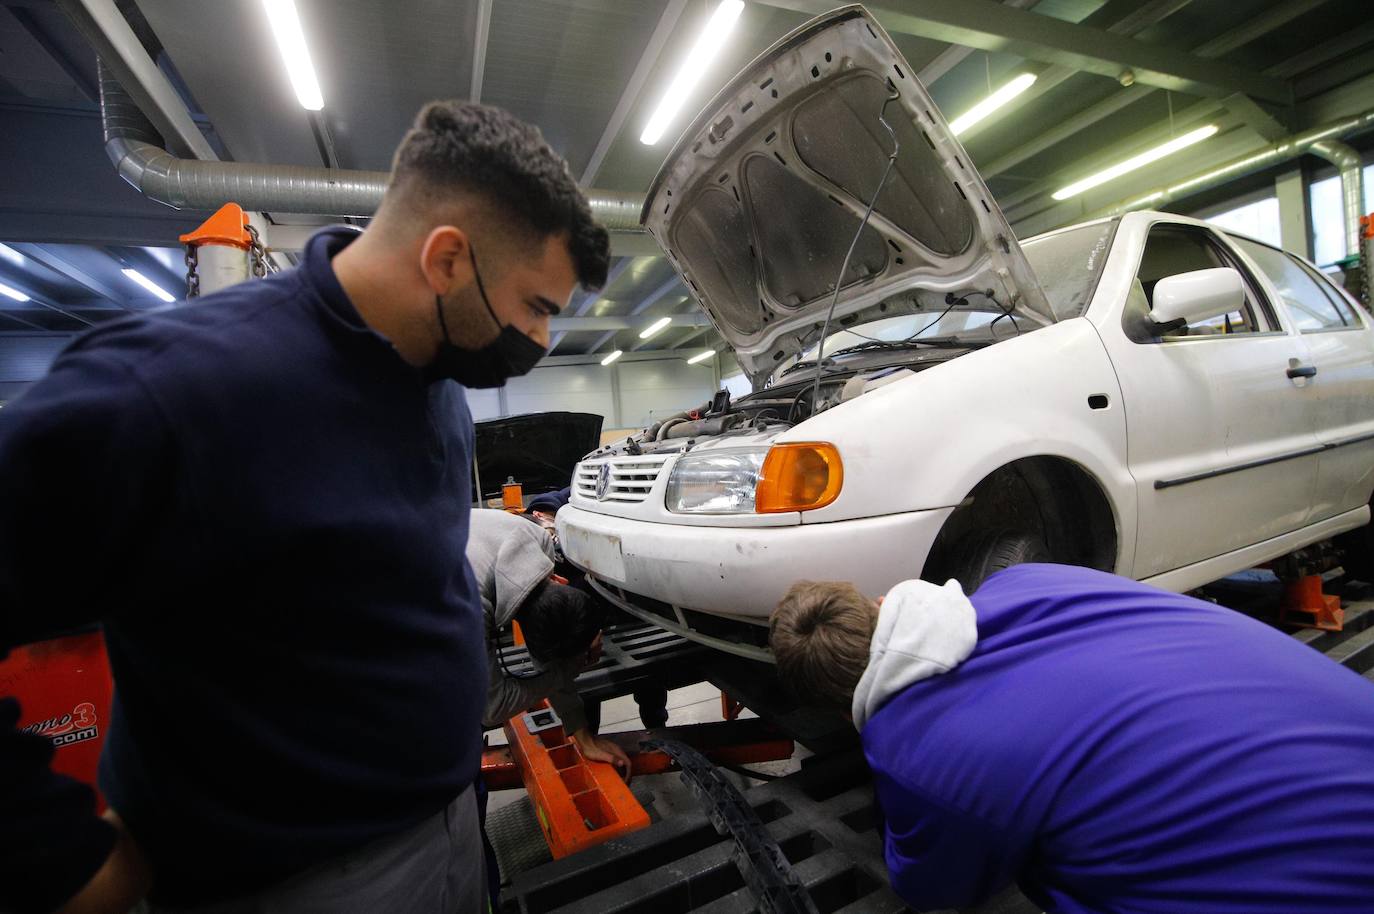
<point x="1174" y="249"/>
<point x="1068" y="264"/>
<point x="1309" y="305"/>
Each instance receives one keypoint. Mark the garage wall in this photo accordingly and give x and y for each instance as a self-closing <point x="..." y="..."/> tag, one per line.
<point x="484" y="404"/>
<point x="575" y="388"/>
<point x="626" y="394"/>
<point x="24" y="358"/>
<point x="651" y="390"/>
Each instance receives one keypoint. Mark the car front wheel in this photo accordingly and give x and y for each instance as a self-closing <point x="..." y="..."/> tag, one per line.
<point x="983" y="553"/>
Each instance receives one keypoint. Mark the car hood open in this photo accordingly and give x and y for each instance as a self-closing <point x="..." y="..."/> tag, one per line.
<point x="759" y="200"/>
<point x="538" y="450"/>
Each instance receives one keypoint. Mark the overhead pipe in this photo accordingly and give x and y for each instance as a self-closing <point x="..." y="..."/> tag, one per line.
<point x="1323" y="141"/>
<point x="138" y="154"/>
<point x="1347" y="161"/>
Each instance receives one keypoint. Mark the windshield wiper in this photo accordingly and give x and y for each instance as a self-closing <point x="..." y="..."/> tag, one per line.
<point x="936" y="342"/>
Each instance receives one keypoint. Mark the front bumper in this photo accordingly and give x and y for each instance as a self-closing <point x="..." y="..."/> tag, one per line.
<point x="744" y="571"/>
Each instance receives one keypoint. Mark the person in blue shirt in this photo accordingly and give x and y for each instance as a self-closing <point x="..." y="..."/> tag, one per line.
<point x="264" y="496"/>
<point x="1105" y="745"/>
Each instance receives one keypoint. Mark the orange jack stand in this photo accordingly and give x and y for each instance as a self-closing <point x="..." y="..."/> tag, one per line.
<point x="512" y="496"/>
<point x="739" y="742"/>
<point x="228" y="226"/>
<point x="1304" y="599"/>
<point x="729" y="708"/>
<point x="579" y="803"/>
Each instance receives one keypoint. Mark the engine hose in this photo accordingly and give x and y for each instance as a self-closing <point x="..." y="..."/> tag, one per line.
<point x="713" y="426"/>
<point x="668" y="424"/>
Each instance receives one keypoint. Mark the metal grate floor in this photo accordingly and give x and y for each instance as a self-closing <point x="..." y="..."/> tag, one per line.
<point x="822" y="816"/>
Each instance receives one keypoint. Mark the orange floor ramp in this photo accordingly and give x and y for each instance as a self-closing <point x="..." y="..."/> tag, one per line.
<point x="579" y="803"/>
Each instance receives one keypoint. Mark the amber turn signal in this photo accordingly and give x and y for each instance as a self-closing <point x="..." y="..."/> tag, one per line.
<point x="799" y="476"/>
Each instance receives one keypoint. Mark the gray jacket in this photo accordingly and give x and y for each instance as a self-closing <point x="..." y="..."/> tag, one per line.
<point x="510" y="556"/>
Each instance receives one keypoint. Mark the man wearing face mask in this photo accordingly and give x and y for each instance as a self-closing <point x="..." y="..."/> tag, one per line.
<point x="271" y="491"/>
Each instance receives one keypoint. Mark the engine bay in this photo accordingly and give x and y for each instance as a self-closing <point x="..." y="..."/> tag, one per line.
<point x="786" y="401"/>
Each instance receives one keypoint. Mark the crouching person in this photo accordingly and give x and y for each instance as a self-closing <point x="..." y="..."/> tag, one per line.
<point x="1103" y="744"/>
<point x="512" y="561"/>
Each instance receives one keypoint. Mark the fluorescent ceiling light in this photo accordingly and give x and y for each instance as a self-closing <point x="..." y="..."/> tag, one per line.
<point x="992" y="103"/>
<point x="13" y="293"/>
<point x="701" y="357"/>
<point x="655" y="327"/>
<point x="286" y="28"/>
<point x="612" y="357"/>
<point x="707" y="45"/>
<point x="148" y="284"/>
<point x="11" y="255"/>
<point x="1138" y="161"/>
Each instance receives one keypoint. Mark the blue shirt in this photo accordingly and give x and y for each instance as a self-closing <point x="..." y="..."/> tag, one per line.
<point x="1115" y="748"/>
<point x="268" y="508"/>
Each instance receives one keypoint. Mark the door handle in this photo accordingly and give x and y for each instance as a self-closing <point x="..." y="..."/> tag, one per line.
<point x="1303" y="371"/>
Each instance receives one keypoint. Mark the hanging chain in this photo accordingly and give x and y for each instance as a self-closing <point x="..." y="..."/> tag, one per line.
<point x="262" y="264"/>
<point x="192" y="271"/>
<point x="1366" y="263"/>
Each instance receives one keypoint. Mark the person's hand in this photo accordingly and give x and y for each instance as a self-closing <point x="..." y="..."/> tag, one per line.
<point x="120" y="882"/>
<point x="593" y="655"/>
<point x="598" y="749"/>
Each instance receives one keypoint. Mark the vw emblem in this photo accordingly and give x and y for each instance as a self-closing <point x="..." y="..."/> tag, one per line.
<point x="603" y="481"/>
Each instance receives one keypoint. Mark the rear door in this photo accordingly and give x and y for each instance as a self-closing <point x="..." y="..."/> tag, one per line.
<point x="1340" y="346"/>
<point x="1221" y="441"/>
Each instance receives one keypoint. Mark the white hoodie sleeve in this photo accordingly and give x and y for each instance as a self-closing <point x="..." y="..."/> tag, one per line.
<point x="923" y="630"/>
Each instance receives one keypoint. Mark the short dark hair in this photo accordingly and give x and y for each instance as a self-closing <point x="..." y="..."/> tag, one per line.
<point x="820" y="634"/>
<point x="491" y="153"/>
<point x="559" y="622"/>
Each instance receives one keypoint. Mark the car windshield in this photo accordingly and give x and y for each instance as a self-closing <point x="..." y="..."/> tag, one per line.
<point x="1067" y="264"/>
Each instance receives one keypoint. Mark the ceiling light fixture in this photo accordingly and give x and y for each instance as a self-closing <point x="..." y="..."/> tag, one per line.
<point x="655" y="327"/>
<point x="286" y="28"/>
<point x="707" y="45"/>
<point x="13" y="293"/>
<point x="701" y="357"/>
<point x="612" y="357"/>
<point x="1137" y="161"/>
<point x="990" y="104"/>
<point x="148" y="284"/>
<point x="11" y="255"/>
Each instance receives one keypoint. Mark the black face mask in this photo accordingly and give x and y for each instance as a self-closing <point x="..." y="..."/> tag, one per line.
<point x="510" y="355"/>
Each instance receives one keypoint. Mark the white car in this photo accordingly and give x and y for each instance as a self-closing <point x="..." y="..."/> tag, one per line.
<point x="1146" y="394"/>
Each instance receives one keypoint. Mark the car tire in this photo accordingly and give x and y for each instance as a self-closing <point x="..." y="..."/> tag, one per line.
<point x="986" y="552"/>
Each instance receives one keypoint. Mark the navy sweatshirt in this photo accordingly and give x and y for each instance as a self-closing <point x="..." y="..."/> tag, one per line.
<point x="1114" y="748"/>
<point x="268" y="509"/>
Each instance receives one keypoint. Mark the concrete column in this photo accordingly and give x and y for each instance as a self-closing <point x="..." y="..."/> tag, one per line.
<point x="615" y="395"/>
<point x="1295" y="221"/>
<point x="221" y="266"/>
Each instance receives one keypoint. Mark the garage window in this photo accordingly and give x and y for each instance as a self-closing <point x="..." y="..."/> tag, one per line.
<point x="1171" y="250"/>
<point x="1310" y="306"/>
<point x="1328" y="216"/>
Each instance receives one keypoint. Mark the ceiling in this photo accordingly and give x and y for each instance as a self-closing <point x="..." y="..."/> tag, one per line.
<point x="589" y="72"/>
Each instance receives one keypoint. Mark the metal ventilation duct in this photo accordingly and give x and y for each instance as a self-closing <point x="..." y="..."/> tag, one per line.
<point x="136" y="149"/>
<point x="1321" y="141"/>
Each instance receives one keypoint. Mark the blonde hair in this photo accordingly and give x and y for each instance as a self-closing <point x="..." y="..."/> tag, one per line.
<point x="820" y="634"/>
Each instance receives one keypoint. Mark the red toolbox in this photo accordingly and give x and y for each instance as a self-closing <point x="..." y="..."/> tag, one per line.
<point x="63" y="687"/>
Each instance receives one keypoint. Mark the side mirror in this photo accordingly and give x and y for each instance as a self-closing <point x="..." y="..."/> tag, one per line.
<point x="1187" y="298"/>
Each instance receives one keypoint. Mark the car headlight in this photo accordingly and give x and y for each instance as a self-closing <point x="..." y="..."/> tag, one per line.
<point x="715" y="483"/>
<point x="796" y="476"/>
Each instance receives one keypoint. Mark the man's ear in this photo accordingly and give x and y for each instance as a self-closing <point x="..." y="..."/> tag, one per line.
<point x="446" y="259"/>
